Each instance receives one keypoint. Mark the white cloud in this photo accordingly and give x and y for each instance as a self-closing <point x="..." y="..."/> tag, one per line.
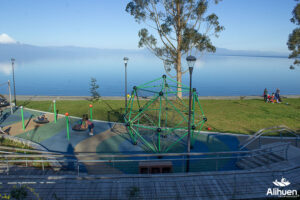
<point x="5" y="68"/>
<point x="4" y="38"/>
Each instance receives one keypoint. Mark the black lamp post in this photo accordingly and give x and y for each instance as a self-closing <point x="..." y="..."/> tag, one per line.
<point x="191" y="62"/>
<point x="13" y="71"/>
<point x="125" y="62"/>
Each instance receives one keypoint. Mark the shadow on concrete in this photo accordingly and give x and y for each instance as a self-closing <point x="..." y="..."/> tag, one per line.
<point x="28" y="121"/>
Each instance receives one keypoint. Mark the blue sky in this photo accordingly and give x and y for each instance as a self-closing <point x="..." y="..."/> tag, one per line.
<point x="249" y="24"/>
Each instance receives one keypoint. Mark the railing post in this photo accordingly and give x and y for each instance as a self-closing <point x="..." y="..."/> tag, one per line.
<point x="43" y="166"/>
<point x="7" y="167"/>
<point x="286" y="151"/>
<point x="77" y="168"/>
<point x="234" y="186"/>
<point x="217" y="166"/>
<point x="183" y="161"/>
<point x="26" y="160"/>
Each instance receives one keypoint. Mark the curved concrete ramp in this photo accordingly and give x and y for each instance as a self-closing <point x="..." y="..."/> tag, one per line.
<point x="90" y="146"/>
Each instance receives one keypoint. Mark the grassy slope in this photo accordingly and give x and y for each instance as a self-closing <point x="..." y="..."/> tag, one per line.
<point x="235" y="116"/>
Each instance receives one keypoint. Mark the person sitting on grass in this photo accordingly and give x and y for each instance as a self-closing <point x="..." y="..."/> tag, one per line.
<point x="268" y="98"/>
<point x="272" y="98"/>
<point x="277" y="96"/>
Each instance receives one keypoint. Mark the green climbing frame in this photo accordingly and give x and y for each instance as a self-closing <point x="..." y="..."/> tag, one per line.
<point x="157" y="118"/>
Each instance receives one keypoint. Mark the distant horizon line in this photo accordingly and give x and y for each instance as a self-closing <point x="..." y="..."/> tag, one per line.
<point x="137" y="49"/>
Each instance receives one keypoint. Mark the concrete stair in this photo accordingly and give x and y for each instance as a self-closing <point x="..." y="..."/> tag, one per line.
<point x="265" y="156"/>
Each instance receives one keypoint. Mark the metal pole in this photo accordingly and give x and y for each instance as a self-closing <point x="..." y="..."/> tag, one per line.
<point x="125" y="86"/>
<point x="54" y="109"/>
<point x="91" y="112"/>
<point x="22" y="114"/>
<point x="189" y="123"/>
<point x="9" y="92"/>
<point x="67" y="122"/>
<point x="13" y="70"/>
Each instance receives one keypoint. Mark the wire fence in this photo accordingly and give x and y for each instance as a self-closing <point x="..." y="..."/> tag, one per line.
<point x="32" y="162"/>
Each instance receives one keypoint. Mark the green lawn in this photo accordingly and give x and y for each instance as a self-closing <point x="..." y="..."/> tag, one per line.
<point x="235" y="116"/>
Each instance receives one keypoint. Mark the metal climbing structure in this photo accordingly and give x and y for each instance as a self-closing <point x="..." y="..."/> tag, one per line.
<point x="158" y="119"/>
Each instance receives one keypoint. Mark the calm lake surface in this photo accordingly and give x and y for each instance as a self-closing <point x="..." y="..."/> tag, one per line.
<point x="213" y="75"/>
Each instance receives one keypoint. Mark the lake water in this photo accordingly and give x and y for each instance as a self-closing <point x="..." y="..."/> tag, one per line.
<point x="213" y="75"/>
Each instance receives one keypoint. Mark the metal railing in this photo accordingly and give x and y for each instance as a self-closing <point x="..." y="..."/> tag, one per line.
<point x="264" y="131"/>
<point x="40" y="162"/>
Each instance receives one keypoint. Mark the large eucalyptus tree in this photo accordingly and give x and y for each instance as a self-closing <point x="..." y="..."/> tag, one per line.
<point x="182" y="26"/>
<point x="294" y="38"/>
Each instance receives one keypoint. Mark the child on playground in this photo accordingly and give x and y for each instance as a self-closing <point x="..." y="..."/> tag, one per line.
<point x="42" y="117"/>
<point x="90" y="125"/>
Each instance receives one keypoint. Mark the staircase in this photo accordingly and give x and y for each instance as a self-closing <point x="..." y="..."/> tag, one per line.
<point x="268" y="154"/>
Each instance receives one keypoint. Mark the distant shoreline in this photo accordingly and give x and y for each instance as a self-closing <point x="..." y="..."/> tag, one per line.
<point x="48" y="98"/>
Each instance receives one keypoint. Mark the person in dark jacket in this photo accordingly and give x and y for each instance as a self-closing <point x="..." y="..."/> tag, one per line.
<point x="265" y="95"/>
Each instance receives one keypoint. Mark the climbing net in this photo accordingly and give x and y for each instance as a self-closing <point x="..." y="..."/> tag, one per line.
<point x="157" y="118"/>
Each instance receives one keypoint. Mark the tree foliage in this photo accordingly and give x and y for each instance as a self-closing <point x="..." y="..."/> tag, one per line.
<point x="294" y="38"/>
<point x="93" y="89"/>
<point x="170" y="20"/>
<point x="182" y="26"/>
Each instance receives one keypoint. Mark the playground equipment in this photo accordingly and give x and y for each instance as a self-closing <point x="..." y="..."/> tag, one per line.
<point x="41" y="119"/>
<point x="157" y="118"/>
<point x="22" y="115"/>
<point x="67" y="123"/>
<point x="91" y="112"/>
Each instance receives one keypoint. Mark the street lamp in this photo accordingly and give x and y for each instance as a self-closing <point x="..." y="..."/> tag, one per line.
<point x="125" y="62"/>
<point x="13" y="71"/>
<point x="191" y="62"/>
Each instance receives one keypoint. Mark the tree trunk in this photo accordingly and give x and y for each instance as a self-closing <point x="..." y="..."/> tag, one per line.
<point x="178" y="59"/>
<point x="179" y="73"/>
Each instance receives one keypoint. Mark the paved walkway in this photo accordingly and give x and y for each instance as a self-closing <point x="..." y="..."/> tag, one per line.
<point x="49" y="98"/>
